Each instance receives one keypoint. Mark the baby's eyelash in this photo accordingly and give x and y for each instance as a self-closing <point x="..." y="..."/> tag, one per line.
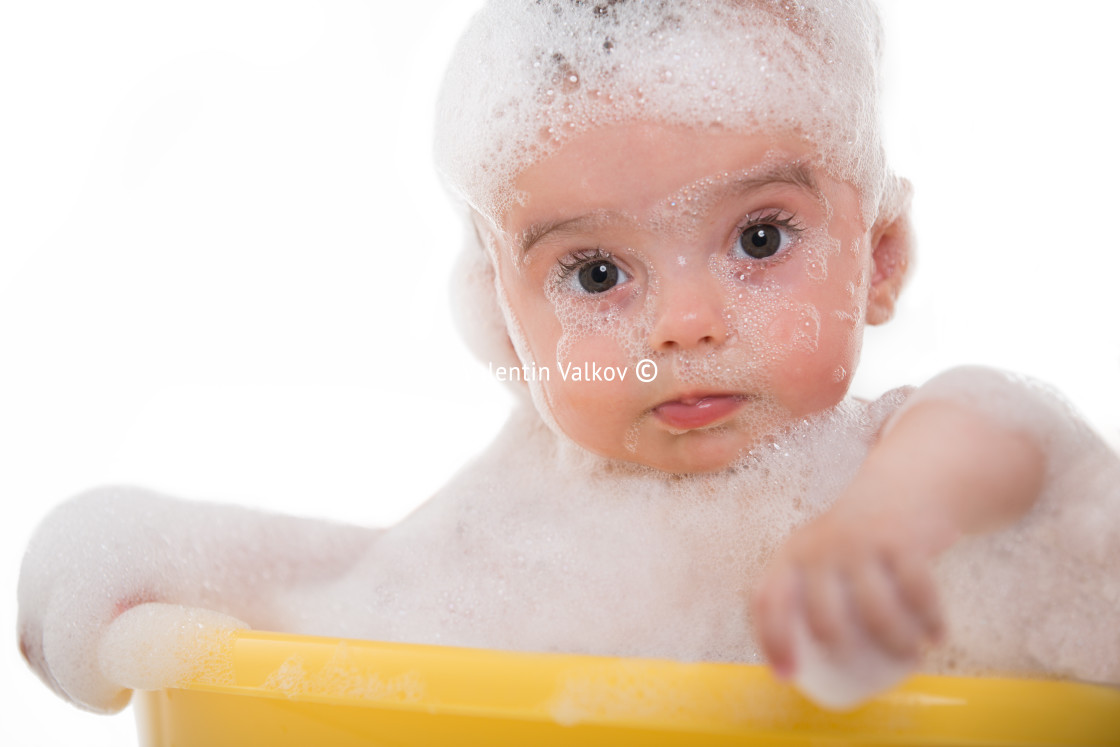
<point x="773" y="217"/>
<point x="572" y="262"/>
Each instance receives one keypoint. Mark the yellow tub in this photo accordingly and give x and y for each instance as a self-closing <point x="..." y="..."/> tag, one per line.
<point x="281" y="690"/>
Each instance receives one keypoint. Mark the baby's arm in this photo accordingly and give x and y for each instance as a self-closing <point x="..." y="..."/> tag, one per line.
<point x="112" y="549"/>
<point x="945" y="466"/>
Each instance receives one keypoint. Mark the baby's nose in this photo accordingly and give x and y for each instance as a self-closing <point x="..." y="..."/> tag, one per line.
<point x="689" y="312"/>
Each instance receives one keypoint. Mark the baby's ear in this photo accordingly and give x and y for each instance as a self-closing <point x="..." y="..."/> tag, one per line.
<point x="892" y="242"/>
<point x="474" y="301"/>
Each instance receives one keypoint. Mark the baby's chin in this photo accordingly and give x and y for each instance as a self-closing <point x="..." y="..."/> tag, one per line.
<point x="654" y="444"/>
<point x="701" y="451"/>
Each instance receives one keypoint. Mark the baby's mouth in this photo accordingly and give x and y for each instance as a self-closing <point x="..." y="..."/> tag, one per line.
<point x="693" y="412"/>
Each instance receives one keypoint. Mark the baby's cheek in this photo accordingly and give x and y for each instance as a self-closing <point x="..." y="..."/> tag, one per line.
<point x="608" y="329"/>
<point x="607" y="349"/>
<point x="815" y="380"/>
<point x="594" y="413"/>
<point x="794" y="331"/>
<point x="593" y="369"/>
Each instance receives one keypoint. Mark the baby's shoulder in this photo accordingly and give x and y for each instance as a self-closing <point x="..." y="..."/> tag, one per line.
<point x="878" y="410"/>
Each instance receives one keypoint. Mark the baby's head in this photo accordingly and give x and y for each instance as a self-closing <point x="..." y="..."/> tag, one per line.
<point x="698" y="184"/>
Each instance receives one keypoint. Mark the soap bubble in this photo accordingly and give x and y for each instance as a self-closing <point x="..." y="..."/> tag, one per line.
<point x="556" y="69"/>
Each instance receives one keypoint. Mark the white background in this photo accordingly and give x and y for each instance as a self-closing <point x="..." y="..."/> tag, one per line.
<point x="224" y="256"/>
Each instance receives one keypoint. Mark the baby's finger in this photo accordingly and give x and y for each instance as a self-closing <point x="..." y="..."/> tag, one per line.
<point x="918" y="591"/>
<point x="774" y="606"/>
<point x="883" y="613"/>
<point x="826" y="606"/>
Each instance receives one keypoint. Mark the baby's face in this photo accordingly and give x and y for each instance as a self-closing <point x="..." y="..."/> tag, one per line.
<point x="730" y="260"/>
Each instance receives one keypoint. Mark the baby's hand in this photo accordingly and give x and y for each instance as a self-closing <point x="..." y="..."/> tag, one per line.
<point x="852" y="592"/>
<point x="849" y="601"/>
<point x="83" y="568"/>
<point x="96" y="563"/>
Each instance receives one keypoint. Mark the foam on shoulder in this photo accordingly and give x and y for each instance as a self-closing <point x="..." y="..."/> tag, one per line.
<point x="1042" y="594"/>
<point x="542" y="546"/>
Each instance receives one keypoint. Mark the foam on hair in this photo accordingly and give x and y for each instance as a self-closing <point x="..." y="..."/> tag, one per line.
<point x="527" y="76"/>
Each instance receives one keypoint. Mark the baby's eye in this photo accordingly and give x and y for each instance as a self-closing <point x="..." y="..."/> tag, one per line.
<point x="766" y="236"/>
<point x="597" y="277"/>
<point x="591" y="272"/>
<point x="762" y="241"/>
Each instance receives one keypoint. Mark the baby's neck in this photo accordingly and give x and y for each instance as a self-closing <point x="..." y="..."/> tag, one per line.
<point x="807" y="464"/>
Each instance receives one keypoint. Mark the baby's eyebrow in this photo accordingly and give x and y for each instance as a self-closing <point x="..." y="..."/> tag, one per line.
<point x="534" y="233"/>
<point x="795" y="173"/>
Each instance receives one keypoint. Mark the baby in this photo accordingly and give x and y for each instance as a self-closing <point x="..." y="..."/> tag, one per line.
<point x="679" y="221"/>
